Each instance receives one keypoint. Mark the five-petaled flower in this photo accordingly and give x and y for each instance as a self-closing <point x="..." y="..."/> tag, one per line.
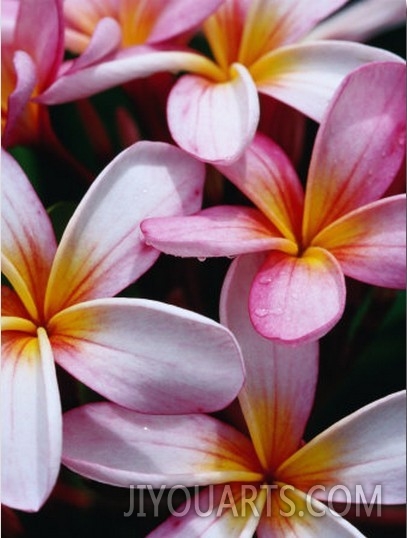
<point x="340" y="227"/>
<point x="141" y="354"/>
<point x="258" y="46"/>
<point x="271" y="465"/>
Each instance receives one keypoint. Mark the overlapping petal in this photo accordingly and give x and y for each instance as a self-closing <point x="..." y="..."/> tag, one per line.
<point x="306" y="76"/>
<point x="297" y="298"/>
<point x="147" y="355"/>
<point x="370" y="242"/>
<point x="278" y="393"/>
<point x="214" y="120"/>
<point x="292" y="513"/>
<point x="361" y="21"/>
<point x="216" y="231"/>
<point x="271" y="24"/>
<point x="86" y="267"/>
<point x="122" y="447"/>
<point x="338" y="455"/>
<point x="226" y="511"/>
<point x="126" y="65"/>
<point x="46" y="47"/>
<point x="266" y="176"/>
<point x="28" y="242"/>
<point x="31" y="420"/>
<point x="359" y="147"/>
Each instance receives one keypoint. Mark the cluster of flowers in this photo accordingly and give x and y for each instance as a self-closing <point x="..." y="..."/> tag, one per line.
<point x="162" y="368"/>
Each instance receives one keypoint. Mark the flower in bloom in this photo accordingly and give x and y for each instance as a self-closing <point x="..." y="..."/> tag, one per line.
<point x="258" y="46"/>
<point x="284" y="479"/>
<point x="139" y="353"/>
<point x="339" y="227"/>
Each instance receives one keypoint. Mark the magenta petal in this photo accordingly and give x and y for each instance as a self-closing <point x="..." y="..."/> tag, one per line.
<point x="216" y="231"/>
<point x="26" y="80"/>
<point x="214" y="121"/>
<point x="360" y="145"/>
<point x="297" y="299"/>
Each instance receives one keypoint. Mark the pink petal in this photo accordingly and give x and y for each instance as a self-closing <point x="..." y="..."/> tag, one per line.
<point x="273" y="23"/>
<point x="361" y="21"/>
<point x="25" y="72"/>
<point x="266" y="176"/>
<point x="297" y="299"/>
<point x="148" y="356"/>
<point x="359" y="147"/>
<point x="40" y="33"/>
<point x="99" y="48"/>
<point x="118" y="446"/>
<point x="216" y="231"/>
<point x="291" y="512"/>
<point x="214" y="121"/>
<point x="31" y="420"/>
<point x="370" y="242"/>
<point x="365" y="449"/>
<point x="28" y="242"/>
<point x="177" y="16"/>
<point x="305" y="76"/>
<point x="226" y="512"/>
<point x="126" y="65"/>
<point x="278" y="393"/>
<point x="158" y="180"/>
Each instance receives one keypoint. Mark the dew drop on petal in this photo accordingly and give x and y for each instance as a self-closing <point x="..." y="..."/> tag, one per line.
<point x="201" y="258"/>
<point x="261" y="312"/>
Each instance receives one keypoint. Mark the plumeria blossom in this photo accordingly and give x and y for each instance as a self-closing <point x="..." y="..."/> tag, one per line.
<point x="141" y="354"/>
<point x="339" y="227"/>
<point x="271" y="465"/>
<point x="257" y="46"/>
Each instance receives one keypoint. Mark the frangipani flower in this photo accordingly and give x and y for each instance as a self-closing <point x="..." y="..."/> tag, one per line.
<point x="272" y="467"/>
<point x="213" y="111"/>
<point x="141" y="354"/>
<point x="340" y="227"/>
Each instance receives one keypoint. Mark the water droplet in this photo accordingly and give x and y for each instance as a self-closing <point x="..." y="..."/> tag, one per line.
<point x="201" y="258"/>
<point x="265" y="280"/>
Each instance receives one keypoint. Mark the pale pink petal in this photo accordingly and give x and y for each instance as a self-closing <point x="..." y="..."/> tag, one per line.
<point x="297" y="299"/>
<point x="39" y="32"/>
<point x="119" y="446"/>
<point x="126" y="65"/>
<point x="148" y="355"/>
<point x="370" y="242"/>
<point x="9" y="12"/>
<point x="31" y="420"/>
<point x="364" y="450"/>
<point x="231" y="510"/>
<point x="290" y="512"/>
<point x="361" y="21"/>
<point x="305" y="76"/>
<point x="177" y="16"/>
<point x="278" y="392"/>
<point x="26" y="80"/>
<point x="359" y="147"/>
<point x="102" y="251"/>
<point x="216" y="231"/>
<point x="273" y="23"/>
<point x="99" y="48"/>
<point x="28" y="243"/>
<point x="214" y="120"/>
<point x="266" y="176"/>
